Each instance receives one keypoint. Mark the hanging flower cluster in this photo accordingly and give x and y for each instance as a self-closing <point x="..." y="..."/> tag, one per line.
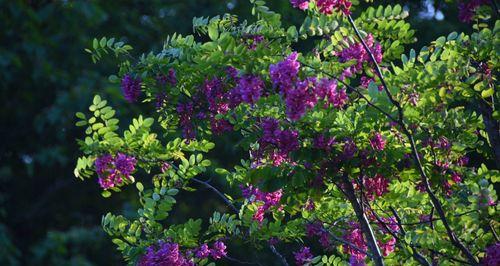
<point x="467" y="9"/>
<point x="325" y="6"/>
<point x="303" y="256"/>
<point x="114" y="171"/>
<point x="266" y="200"/>
<point x="275" y="144"/>
<point x="302" y="95"/>
<point x="169" y="253"/>
<point x="360" y="56"/>
<point x="131" y="88"/>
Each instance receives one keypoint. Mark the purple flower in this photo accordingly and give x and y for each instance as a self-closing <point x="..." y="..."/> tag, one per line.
<point x="327" y="6"/>
<point x="131" y="88"/>
<point x="323" y="142"/>
<point x="165" y="253"/>
<point x="112" y="171"/>
<point x="203" y="252"/>
<point x="303" y="256"/>
<point x="276" y="142"/>
<point x="377" y="142"/>
<point x="317" y="229"/>
<point x="358" y="53"/>
<point x="284" y="73"/>
<point x="248" y="90"/>
<point x="267" y="199"/>
<point x="171" y="78"/>
<point x="350" y="149"/>
<point x="463" y="161"/>
<point x="354" y="235"/>
<point x="492" y="257"/>
<point x="300" y="4"/>
<point x="232" y="73"/>
<point x="466" y="11"/>
<point x="327" y="89"/>
<point x="218" y="250"/>
<point x="300" y="99"/>
<point x="375" y="186"/>
<point x="253" y="40"/>
<point x="444" y="143"/>
<point x="186" y="112"/>
<point x="125" y="164"/>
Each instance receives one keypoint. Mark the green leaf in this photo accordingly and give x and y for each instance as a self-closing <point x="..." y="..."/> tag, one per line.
<point x="139" y="186"/>
<point x="80" y="115"/>
<point x="102" y="43"/>
<point x="487" y="93"/>
<point x="97" y="100"/>
<point x="106" y="194"/>
<point x="213" y="32"/>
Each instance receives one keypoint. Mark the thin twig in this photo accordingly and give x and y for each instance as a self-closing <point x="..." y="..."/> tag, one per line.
<point x="276" y="252"/>
<point x="226" y="200"/>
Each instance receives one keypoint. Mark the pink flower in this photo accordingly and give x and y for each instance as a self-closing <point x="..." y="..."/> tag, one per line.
<point x="354" y="235"/>
<point x="300" y="4"/>
<point x="327" y="6"/>
<point x="376" y="186"/>
<point x="377" y="142"/>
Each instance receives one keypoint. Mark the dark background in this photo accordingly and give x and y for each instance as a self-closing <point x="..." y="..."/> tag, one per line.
<point x="47" y="216"/>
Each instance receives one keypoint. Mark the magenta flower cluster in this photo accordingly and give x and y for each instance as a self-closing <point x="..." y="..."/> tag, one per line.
<point x="303" y="256"/>
<point x="217" y="251"/>
<point x="324" y="142"/>
<point x="215" y="99"/>
<point x="316" y="229"/>
<point x="354" y="235"/>
<point x="186" y="115"/>
<point x="167" y="253"/>
<point x="248" y="90"/>
<point x="284" y="74"/>
<point x="302" y="95"/>
<point x="377" y="142"/>
<point x="276" y="144"/>
<point x="113" y="171"/>
<point x="375" y="186"/>
<point x="300" y="4"/>
<point x="253" y="40"/>
<point x="325" y="6"/>
<point x="131" y="88"/>
<point x="358" y="54"/>
<point x="266" y="200"/>
<point x="467" y="9"/>
<point x="492" y="257"/>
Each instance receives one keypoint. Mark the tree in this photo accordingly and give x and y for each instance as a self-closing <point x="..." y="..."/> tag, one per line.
<point x="353" y="147"/>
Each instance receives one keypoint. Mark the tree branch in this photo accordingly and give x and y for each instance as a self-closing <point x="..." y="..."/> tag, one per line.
<point x="435" y="201"/>
<point x="363" y="221"/>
